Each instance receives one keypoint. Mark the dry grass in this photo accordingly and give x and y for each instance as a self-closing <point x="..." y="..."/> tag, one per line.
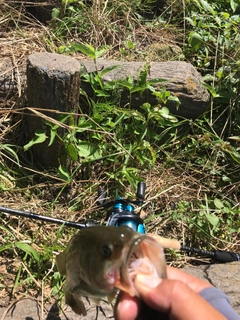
<point x="164" y="187"/>
<point x="40" y="192"/>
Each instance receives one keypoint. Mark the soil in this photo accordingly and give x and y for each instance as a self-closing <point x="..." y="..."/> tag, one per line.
<point x="20" y="36"/>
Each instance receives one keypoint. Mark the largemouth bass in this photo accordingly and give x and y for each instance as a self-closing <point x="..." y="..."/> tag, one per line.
<point x="99" y="260"/>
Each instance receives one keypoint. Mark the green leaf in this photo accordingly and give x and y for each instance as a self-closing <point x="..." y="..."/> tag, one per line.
<point x="129" y="44"/>
<point x="88" y="150"/>
<point x="213" y="219"/>
<point x="211" y="90"/>
<point x="52" y="137"/>
<point x="55" y="13"/>
<point x="195" y="40"/>
<point x="128" y="83"/>
<point x="191" y="21"/>
<point x="28" y="249"/>
<point x="5" y="247"/>
<point x="64" y="173"/>
<point x="40" y="136"/>
<point x="207" y="7"/>
<point x="87" y="49"/>
<point x="107" y="70"/>
<point x="146" y="106"/>
<point x="165" y="114"/>
<point x="72" y="151"/>
<point x="138" y="88"/>
<point x="164" y="111"/>
<point x="157" y="81"/>
<point x="218" y="204"/>
<point x="235" y="155"/>
<point x="175" y="99"/>
<point x="8" y="148"/>
<point x="101" y="51"/>
<point x="234" y="5"/>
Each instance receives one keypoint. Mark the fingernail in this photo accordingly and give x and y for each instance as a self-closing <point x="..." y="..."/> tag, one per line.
<point x="126" y="309"/>
<point x="147" y="281"/>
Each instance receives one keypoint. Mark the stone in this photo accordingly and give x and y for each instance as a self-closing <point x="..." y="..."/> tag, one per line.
<point x="183" y="81"/>
<point x="224" y="276"/>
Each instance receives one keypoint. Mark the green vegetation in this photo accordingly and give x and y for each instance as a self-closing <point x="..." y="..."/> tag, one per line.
<point x="196" y="170"/>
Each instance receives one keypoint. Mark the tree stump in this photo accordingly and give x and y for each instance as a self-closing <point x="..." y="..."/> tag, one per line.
<point x="53" y="83"/>
<point x="41" y="9"/>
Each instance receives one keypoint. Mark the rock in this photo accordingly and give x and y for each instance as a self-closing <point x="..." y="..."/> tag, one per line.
<point x="31" y="309"/>
<point x="183" y="81"/>
<point x="224" y="276"/>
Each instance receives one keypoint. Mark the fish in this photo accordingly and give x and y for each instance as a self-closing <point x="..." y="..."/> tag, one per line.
<point x="101" y="260"/>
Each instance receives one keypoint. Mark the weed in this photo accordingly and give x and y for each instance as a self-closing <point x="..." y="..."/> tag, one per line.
<point x="8" y="158"/>
<point x="35" y="261"/>
<point x="192" y="175"/>
<point x="119" y="137"/>
<point x="207" y="219"/>
<point x="212" y="44"/>
<point x="99" y="23"/>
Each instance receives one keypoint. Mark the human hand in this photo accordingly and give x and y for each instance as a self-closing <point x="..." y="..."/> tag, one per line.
<point x="174" y="298"/>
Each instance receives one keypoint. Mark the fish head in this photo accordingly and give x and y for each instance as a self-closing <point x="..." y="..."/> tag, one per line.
<point x="102" y="252"/>
<point x="101" y="259"/>
<point x="145" y="256"/>
<point x="105" y="258"/>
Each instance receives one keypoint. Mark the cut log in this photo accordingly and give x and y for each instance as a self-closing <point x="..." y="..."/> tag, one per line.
<point x="41" y="9"/>
<point x="53" y="83"/>
<point x="184" y="81"/>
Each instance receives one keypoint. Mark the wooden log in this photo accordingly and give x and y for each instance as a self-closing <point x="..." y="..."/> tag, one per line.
<point x="53" y="83"/>
<point x="183" y="80"/>
<point x="40" y="9"/>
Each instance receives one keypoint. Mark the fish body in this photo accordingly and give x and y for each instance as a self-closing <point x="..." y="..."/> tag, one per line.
<point x="99" y="260"/>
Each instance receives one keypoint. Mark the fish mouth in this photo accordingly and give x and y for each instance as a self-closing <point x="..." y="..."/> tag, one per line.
<point x="145" y="256"/>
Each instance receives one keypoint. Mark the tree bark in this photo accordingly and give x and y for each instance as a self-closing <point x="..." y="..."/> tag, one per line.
<point x="53" y="83"/>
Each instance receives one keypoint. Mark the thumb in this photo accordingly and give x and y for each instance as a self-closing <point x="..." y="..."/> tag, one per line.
<point x="174" y="298"/>
<point x="146" y="283"/>
<point x="154" y="291"/>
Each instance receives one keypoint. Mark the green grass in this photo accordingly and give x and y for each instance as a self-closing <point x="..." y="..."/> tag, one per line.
<point x="192" y="178"/>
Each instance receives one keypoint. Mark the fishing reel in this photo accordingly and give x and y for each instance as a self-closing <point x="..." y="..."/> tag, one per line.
<point x="121" y="211"/>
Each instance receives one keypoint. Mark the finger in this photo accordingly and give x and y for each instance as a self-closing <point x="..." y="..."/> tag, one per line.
<point x="127" y="307"/>
<point x="194" y="283"/>
<point x="151" y="290"/>
<point x="176" y="299"/>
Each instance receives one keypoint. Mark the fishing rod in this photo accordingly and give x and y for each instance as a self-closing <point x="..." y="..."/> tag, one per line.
<point x="39" y="217"/>
<point x="221" y="256"/>
<point x="122" y="213"/>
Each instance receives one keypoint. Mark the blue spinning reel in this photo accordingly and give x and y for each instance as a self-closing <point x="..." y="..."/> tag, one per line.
<point x="122" y="211"/>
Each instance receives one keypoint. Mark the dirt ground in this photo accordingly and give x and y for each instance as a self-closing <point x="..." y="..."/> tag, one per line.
<point x="224" y="276"/>
<point x="21" y="35"/>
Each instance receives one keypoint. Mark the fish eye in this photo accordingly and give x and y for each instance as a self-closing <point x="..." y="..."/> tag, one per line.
<point x="107" y="250"/>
